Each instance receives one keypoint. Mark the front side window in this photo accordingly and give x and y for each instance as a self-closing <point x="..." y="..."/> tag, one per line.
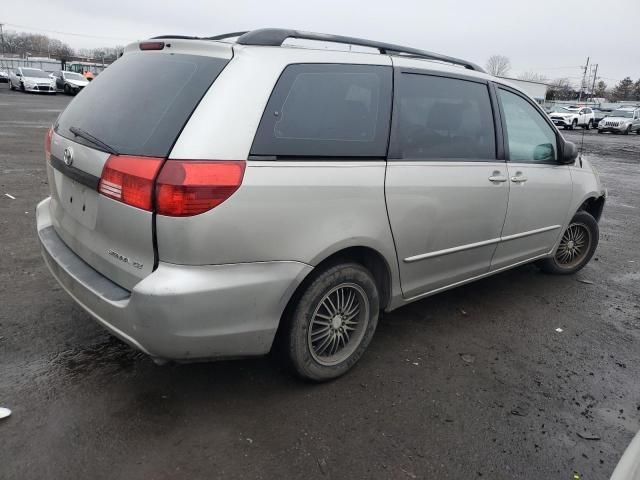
<point x="530" y="138"/>
<point x="327" y="110"/>
<point x="442" y="118"/>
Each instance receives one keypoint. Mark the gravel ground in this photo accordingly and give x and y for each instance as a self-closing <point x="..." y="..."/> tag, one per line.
<point x="475" y="382"/>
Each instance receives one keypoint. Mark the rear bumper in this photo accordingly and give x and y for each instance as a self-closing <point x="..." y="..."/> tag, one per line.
<point x="180" y="312"/>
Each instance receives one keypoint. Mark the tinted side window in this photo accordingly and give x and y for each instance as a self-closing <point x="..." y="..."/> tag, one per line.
<point x="530" y="138"/>
<point x="442" y="118"/>
<point x="326" y="110"/>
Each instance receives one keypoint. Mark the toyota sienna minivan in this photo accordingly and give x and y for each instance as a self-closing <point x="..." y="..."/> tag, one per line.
<point x="248" y="191"/>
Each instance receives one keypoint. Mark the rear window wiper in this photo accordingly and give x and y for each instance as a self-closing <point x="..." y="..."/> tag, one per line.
<point x="79" y="132"/>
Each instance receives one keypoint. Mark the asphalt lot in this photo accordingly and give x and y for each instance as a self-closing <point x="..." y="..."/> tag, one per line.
<point x="475" y="382"/>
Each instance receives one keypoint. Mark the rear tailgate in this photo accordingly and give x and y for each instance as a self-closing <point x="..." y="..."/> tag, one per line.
<point x="136" y="109"/>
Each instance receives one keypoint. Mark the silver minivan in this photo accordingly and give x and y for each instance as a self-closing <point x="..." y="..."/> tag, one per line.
<point x="219" y="197"/>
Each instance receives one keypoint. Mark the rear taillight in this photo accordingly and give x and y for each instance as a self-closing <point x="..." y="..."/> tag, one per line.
<point x="190" y="187"/>
<point x="47" y="144"/>
<point x="129" y="179"/>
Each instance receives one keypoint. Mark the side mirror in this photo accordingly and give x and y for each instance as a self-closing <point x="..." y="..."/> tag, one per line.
<point x="18" y="74"/>
<point x="569" y="153"/>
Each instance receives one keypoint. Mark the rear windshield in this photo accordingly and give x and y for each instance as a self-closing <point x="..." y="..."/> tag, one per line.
<point x="140" y="103"/>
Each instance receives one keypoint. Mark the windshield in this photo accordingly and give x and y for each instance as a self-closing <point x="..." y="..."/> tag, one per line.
<point x="34" y="72"/>
<point x="73" y="76"/>
<point x="622" y="113"/>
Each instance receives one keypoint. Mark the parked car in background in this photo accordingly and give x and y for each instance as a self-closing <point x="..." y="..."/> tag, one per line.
<point x="623" y="120"/>
<point x="572" y="117"/>
<point x="31" y="80"/>
<point x="70" y="82"/>
<point x="599" y="114"/>
<point x="4" y="76"/>
<point x="252" y="194"/>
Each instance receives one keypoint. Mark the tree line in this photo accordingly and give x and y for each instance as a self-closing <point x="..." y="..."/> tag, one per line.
<point x="36" y="45"/>
<point x="562" y="88"/>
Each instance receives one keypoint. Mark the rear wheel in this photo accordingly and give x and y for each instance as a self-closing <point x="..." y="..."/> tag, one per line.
<point x="67" y="90"/>
<point x="577" y="246"/>
<point x="332" y="322"/>
<point x="589" y="125"/>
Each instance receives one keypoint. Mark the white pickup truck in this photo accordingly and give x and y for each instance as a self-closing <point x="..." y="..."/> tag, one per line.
<point x="570" y="117"/>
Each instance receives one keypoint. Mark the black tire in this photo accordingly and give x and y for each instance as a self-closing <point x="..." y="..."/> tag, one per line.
<point x="304" y="320"/>
<point x="67" y="89"/>
<point x="627" y="131"/>
<point x="600" y="131"/>
<point x="583" y="223"/>
<point x="589" y="125"/>
<point x="638" y="131"/>
<point x="11" y="87"/>
<point x="574" y="124"/>
<point x="22" y="87"/>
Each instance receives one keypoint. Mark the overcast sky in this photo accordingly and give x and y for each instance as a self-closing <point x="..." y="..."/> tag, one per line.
<point x="550" y="37"/>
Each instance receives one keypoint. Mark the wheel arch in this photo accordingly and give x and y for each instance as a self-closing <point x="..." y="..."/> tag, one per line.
<point x="367" y="256"/>
<point x="593" y="206"/>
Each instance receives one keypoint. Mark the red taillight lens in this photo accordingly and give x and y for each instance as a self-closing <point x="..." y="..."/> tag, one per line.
<point x="129" y="179"/>
<point x="151" y="45"/>
<point x="191" y="187"/>
<point x="47" y="144"/>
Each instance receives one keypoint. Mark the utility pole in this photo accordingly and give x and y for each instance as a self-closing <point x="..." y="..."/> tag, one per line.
<point x="2" y="43"/>
<point x="593" y="85"/>
<point x="583" y="80"/>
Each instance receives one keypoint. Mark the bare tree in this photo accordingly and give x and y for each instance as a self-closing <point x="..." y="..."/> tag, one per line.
<point x="601" y="89"/>
<point x="498" y="65"/>
<point x="561" y="89"/>
<point x="533" y="77"/>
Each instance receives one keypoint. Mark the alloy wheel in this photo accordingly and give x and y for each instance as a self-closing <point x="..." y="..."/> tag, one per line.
<point x="574" y="245"/>
<point x="338" y="324"/>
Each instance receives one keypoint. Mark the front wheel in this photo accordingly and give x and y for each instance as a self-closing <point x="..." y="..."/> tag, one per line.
<point x="11" y="87"/>
<point x="627" y="131"/>
<point x="332" y="322"/>
<point x="577" y="246"/>
<point x="574" y="124"/>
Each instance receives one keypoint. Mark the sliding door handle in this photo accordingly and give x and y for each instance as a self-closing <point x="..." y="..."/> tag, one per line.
<point x="497" y="178"/>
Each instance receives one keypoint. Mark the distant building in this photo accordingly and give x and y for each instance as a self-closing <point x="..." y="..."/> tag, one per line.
<point x="536" y="90"/>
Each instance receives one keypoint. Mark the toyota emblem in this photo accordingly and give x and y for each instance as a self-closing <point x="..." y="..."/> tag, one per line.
<point x="68" y="156"/>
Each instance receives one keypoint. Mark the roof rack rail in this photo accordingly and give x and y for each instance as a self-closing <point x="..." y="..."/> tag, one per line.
<point x="175" y="37"/>
<point x="187" y="37"/>
<point x="226" y="35"/>
<point x="275" y="37"/>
